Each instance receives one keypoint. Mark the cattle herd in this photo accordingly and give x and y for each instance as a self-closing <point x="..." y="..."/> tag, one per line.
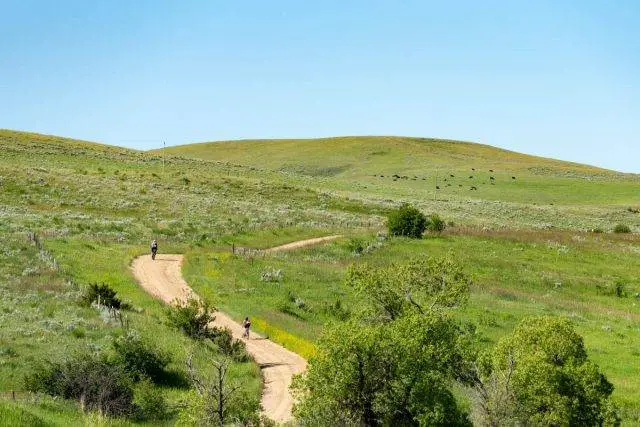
<point x="444" y="181"/>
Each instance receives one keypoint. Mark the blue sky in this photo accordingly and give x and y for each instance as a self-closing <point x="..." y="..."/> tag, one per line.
<point x="554" y="78"/>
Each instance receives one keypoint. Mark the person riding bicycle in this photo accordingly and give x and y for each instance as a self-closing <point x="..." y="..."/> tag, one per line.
<point x="246" y="324"/>
<point x="154" y="248"/>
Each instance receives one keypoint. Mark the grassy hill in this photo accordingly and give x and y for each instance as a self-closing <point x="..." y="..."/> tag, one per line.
<point x="523" y="241"/>
<point x="470" y="182"/>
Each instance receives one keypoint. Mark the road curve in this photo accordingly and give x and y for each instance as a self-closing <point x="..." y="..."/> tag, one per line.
<point x="162" y="278"/>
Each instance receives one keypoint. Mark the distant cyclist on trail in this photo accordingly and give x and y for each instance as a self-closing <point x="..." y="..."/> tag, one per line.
<point x="154" y="248"/>
<point x="246" y="324"/>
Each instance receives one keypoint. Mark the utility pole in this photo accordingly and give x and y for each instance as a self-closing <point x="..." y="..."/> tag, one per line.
<point x="164" y="146"/>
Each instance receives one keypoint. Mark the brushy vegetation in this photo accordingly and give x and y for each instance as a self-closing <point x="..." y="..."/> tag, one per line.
<point x="96" y="382"/>
<point x="622" y="229"/>
<point x="541" y="375"/>
<point x="101" y="294"/>
<point x="407" y="221"/>
<point x="194" y="317"/>
<point x="141" y="359"/>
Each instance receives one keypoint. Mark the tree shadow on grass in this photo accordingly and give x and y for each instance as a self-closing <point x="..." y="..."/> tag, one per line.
<point x="175" y="379"/>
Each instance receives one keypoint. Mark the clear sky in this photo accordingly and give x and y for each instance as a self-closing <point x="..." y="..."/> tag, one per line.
<point x="551" y="77"/>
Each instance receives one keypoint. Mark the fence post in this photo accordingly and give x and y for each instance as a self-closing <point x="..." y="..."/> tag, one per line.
<point x="233" y="248"/>
<point x="13" y="394"/>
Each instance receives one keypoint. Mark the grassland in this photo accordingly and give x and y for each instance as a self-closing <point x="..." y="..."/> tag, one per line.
<point x="590" y="279"/>
<point x="523" y="240"/>
<point x="381" y="170"/>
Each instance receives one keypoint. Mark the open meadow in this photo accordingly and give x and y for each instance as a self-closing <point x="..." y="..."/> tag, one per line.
<point x="534" y="235"/>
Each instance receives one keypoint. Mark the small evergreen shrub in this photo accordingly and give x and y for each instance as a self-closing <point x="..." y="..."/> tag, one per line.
<point x="103" y="294"/>
<point x="407" y="221"/>
<point x="622" y="228"/>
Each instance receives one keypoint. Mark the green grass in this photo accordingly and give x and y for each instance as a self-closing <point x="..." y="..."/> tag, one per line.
<point x="349" y="163"/>
<point x="515" y="275"/>
<point x="96" y="207"/>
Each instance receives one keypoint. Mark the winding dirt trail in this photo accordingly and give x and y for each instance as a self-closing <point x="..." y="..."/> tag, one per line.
<point x="162" y="278"/>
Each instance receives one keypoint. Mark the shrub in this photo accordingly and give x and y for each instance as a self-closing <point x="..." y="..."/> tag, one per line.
<point x="192" y="318"/>
<point x="103" y="294"/>
<point x="140" y="359"/>
<point x="228" y="346"/>
<point x="149" y="402"/>
<point x="99" y="384"/>
<point x="356" y="246"/>
<point x="407" y="221"/>
<point x="622" y="228"/>
<point x="436" y="224"/>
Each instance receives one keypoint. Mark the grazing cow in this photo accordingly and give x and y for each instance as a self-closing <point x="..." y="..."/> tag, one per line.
<point x="513" y="177"/>
<point x="490" y="170"/>
<point x="492" y="178"/>
<point x="473" y="169"/>
<point x="471" y="177"/>
<point x="452" y="176"/>
<point x="437" y="188"/>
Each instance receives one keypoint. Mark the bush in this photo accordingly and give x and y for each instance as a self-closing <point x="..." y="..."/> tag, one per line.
<point x="228" y="346"/>
<point x="103" y="294"/>
<point x="99" y="384"/>
<point x="407" y="221"/>
<point x="356" y="245"/>
<point x="140" y="359"/>
<point x="192" y="318"/>
<point x="436" y="224"/>
<point x="149" y="402"/>
<point x="622" y="228"/>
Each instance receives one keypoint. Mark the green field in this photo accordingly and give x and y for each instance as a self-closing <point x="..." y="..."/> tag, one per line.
<point x="524" y="241"/>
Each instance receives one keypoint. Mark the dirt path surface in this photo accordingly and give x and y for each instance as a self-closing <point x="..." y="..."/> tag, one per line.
<point x="162" y="278"/>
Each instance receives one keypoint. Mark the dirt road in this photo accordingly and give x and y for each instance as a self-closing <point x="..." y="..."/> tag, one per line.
<point x="162" y="278"/>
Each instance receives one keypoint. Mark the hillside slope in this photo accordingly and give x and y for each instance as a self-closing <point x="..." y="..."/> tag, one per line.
<point x="424" y="169"/>
<point x="353" y="154"/>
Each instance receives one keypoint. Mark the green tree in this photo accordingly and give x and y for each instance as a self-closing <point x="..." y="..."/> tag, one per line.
<point x="407" y="221"/>
<point x="545" y="378"/>
<point x="420" y="285"/>
<point x="393" y="364"/>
